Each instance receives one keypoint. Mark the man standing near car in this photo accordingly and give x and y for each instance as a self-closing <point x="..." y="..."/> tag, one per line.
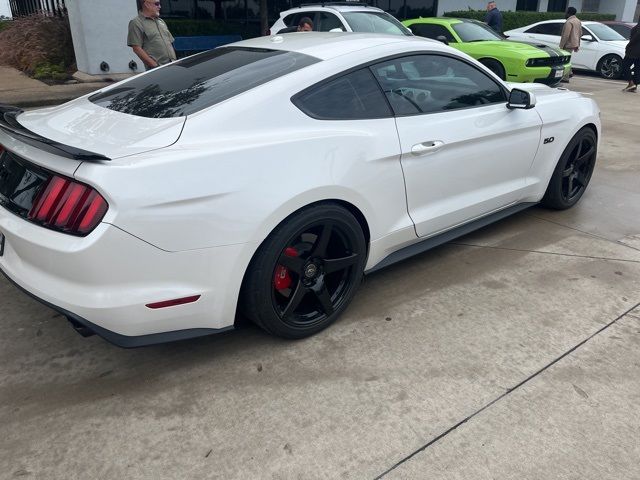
<point x="493" y="18"/>
<point x="149" y="36"/>
<point x="571" y="33"/>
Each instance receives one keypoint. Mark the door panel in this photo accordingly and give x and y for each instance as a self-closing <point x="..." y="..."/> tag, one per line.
<point x="464" y="154"/>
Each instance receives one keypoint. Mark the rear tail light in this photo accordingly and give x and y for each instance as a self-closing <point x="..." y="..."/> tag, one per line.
<point x="68" y="206"/>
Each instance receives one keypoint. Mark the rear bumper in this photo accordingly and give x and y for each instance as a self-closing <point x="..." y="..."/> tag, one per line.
<point x="85" y="328"/>
<point x="105" y="280"/>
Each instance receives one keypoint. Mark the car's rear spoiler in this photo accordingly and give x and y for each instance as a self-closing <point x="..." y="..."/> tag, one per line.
<point x="10" y="125"/>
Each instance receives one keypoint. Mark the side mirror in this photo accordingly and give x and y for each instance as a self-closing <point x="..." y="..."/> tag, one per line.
<point x="443" y="39"/>
<point x="521" y="99"/>
<point x="587" y="38"/>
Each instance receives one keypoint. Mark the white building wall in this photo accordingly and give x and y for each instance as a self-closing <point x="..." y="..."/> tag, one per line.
<point x="5" y="10"/>
<point x="99" y="31"/>
<point x="623" y="9"/>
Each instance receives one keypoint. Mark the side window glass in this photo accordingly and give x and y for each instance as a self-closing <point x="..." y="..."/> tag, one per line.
<point x="289" y="20"/>
<point x="355" y="96"/>
<point x="435" y="83"/>
<point x="327" y="22"/>
<point x="431" y="31"/>
<point x="556" y="29"/>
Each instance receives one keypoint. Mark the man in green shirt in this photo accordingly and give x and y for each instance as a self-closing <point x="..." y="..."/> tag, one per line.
<point x="149" y="36"/>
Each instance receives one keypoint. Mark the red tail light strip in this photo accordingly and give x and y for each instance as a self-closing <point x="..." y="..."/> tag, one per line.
<point x="174" y="302"/>
<point x="68" y="206"/>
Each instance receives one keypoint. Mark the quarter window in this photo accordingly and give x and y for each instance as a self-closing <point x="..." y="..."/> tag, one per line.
<point x="435" y="83"/>
<point x="355" y="96"/>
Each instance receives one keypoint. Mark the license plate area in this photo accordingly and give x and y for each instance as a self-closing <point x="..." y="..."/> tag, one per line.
<point x="558" y="73"/>
<point x="20" y="182"/>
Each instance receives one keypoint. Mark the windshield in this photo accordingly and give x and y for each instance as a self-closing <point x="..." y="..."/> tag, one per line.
<point x="603" y="32"/>
<point x="194" y="83"/>
<point x="375" y="22"/>
<point x="475" y="32"/>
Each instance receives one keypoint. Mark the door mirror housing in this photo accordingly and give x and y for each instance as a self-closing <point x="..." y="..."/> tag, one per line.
<point x="587" y="38"/>
<point x="521" y="99"/>
<point x="443" y="39"/>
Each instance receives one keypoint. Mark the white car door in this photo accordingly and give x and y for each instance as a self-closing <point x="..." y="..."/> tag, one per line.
<point x="589" y="53"/>
<point x="464" y="154"/>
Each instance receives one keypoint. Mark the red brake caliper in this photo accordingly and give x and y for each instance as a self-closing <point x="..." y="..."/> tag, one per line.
<point x="282" y="278"/>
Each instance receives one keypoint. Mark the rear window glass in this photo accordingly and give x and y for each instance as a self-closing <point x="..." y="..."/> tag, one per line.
<point x="192" y="84"/>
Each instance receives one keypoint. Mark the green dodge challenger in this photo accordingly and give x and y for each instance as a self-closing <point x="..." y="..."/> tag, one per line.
<point x="511" y="61"/>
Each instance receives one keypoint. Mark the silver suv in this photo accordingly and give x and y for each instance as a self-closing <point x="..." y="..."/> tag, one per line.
<point x="341" y="16"/>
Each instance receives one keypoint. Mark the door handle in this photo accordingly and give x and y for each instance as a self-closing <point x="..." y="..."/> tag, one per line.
<point x="426" y="147"/>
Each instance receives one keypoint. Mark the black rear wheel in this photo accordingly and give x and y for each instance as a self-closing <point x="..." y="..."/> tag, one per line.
<point x="573" y="171"/>
<point x="306" y="272"/>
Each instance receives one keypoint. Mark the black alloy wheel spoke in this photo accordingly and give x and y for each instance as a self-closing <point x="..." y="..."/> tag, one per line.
<point x="570" y="187"/>
<point x="322" y="294"/>
<point x="295" y="299"/>
<point x="567" y="172"/>
<point x="322" y="242"/>
<point x="585" y="157"/>
<point x="581" y="178"/>
<point x="294" y="264"/>
<point x="337" y="264"/>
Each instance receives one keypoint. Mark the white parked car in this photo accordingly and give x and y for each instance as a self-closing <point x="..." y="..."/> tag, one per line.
<point x="337" y="17"/>
<point x="268" y="176"/>
<point x="601" y="47"/>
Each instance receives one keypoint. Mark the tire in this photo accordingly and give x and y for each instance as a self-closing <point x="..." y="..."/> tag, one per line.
<point x="610" y="66"/>
<point x="495" y="66"/>
<point x="573" y="171"/>
<point x="306" y="272"/>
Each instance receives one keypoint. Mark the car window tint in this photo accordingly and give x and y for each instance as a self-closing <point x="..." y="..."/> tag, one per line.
<point x="554" y="28"/>
<point x="603" y="32"/>
<point x="430" y="30"/>
<point x="327" y="21"/>
<point x="435" y="83"/>
<point x="194" y="83"/>
<point x="350" y="97"/>
<point x="375" y="22"/>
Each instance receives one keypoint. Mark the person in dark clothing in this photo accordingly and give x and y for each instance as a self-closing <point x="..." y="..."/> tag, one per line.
<point x="494" y="17"/>
<point x="632" y="57"/>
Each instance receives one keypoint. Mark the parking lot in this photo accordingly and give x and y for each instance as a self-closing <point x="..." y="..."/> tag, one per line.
<point x="513" y="352"/>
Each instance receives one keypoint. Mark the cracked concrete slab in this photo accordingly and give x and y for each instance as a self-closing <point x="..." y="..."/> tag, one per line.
<point x="595" y="386"/>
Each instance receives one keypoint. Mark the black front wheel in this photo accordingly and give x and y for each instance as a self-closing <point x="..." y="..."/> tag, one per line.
<point x="573" y="171"/>
<point x="610" y="66"/>
<point x="306" y="272"/>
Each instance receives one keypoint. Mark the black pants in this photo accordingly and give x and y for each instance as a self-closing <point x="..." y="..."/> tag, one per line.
<point x="626" y="69"/>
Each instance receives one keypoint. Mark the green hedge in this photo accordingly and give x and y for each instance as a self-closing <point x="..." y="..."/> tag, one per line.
<point x="190" y="28"/>
<point x="511" y="20"/>
<point x="4" y="24"/>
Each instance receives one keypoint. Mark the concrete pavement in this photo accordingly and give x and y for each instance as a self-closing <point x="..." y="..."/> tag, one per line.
<point x="18" y="89"/>
<point x="510" y="353"/>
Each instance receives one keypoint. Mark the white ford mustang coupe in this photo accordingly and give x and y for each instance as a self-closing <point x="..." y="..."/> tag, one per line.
<point x="268" y="176"/>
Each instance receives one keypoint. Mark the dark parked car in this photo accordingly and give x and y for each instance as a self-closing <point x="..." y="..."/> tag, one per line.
<point x="623" y="28"/>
